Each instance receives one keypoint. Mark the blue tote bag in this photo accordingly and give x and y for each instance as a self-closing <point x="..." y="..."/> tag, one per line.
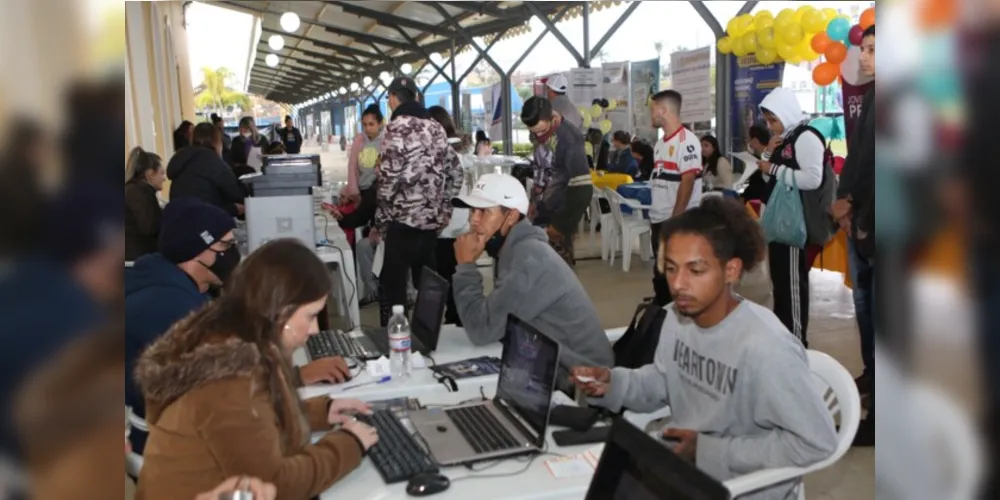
<point x="783" y="220"/>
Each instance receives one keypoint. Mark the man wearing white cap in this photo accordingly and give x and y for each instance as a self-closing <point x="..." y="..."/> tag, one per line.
<point x="532" y="281"/>
<point x="557" y="86"/>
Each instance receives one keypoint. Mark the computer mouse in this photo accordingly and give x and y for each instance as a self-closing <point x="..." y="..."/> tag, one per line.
<point x="427" y="484"/>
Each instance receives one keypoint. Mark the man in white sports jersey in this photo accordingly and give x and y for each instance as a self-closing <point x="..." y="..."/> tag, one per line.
<point x="676" y="179"/>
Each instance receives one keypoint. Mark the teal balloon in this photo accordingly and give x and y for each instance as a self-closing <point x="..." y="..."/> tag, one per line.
<point x="839" y="29"/>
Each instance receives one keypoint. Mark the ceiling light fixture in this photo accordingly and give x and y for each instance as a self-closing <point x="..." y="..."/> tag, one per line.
<point x="290" y="22"/>
<point x="271" y="60"/>
<point x="276" y="42"/>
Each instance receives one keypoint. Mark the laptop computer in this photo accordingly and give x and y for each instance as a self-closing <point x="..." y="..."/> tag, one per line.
<point x="425" y="327"/>
<point x="636" y="466"/>
<point x="511" y="424"/>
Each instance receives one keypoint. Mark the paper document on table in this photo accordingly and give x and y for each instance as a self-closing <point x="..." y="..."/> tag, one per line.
<point x="571" y="466"/>
<point x="379" y="257"/>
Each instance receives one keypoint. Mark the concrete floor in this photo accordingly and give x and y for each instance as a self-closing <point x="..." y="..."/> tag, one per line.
<point x="616" y="293"/>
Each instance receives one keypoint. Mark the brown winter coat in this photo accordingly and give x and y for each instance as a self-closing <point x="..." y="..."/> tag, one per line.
<point x="211" y="416"/>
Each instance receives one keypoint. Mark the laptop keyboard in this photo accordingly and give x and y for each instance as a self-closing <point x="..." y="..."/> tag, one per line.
<point x="481" y="429"/>
<point x="337" y="343"/>
<point x="397" y="456"/>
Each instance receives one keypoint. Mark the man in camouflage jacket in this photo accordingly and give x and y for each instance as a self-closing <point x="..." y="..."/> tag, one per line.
<point x="418" y="176"/>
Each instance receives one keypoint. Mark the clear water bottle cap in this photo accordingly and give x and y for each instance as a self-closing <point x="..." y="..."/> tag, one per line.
<point x="398" y="309"/>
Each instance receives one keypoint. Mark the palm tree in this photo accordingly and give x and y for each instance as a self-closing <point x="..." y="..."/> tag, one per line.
<point x="216" y="95"/>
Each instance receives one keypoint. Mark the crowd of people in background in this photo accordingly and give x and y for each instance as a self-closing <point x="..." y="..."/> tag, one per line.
<point x="188" y="349"/>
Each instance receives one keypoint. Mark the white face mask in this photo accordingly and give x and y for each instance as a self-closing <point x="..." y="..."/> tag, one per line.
<point x="248" y="134"/>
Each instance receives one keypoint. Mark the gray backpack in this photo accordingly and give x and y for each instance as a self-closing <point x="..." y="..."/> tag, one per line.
<point x="820" y="226"/>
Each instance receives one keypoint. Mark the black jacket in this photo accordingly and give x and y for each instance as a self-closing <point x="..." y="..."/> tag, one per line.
<point x="200" y="173"/>
<point x="241" y="146"/>
<point x="142" y="219"/>
<point x="857" y="179"/>
<point x="292" y="139"/>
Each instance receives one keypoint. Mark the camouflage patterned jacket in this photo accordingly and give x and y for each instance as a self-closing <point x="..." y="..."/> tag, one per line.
<point x="419" y="175"/>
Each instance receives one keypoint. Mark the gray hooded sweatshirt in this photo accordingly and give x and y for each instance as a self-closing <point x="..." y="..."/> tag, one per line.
<point x="744" y="385"/>
<point x="535" y="284"/>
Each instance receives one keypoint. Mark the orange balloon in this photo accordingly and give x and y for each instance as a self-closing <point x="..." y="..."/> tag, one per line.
<point x="820" y="42"/>
<point x="826" y="73"/>
<point x="835" y="53"/>
<point x="867" y="18"/>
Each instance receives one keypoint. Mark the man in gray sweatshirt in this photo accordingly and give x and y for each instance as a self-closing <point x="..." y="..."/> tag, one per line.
<point x="738" y="385"/>
<point x="532" y="281"/>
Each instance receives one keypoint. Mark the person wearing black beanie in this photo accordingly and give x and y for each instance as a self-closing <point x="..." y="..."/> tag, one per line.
<point x="197" y="250"/>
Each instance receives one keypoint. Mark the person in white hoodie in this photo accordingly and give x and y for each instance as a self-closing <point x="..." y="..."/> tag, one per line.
<point x="796" y="151"/>
<point x="738" y="386"/>
<point x="459" y="223"/>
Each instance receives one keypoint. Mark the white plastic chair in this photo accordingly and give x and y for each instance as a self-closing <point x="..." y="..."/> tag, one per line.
<point x="607" y="223"/>
<point x="133" y="460"/>
<point x="837" y="388"/>
<point x="628" y="228"/>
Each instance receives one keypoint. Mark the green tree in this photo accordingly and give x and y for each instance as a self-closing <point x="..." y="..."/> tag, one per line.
<point x="525" y="91"/>
<point x="216" y="95"/>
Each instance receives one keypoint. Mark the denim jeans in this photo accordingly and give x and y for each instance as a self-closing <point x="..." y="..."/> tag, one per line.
<point x="862" y="274"/>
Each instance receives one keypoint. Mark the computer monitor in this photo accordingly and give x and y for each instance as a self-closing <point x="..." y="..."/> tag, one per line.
<point x="636" y="466"/>
<point x="428" y="311"/>
<point x="528" y="375"/>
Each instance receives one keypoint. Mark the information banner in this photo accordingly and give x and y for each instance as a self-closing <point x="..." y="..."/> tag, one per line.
<point x="691" y="75"/>
<point x="645" y="77"/>
<point x="615" y="85"/>
<point x="584" y="86"/>
<point x="752" y="81"/>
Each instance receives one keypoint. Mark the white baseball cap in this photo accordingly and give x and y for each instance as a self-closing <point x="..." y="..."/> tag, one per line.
<point x="558" y="83"/>
<point x="495" y="190"/>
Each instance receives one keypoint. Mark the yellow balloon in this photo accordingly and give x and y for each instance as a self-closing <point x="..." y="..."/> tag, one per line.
<point x="584" y="112"/>
<point x="725" y="45"/>
<point x="765" y="38"/>
<point x="813" y="22"/>
<point x="749" y="43"/>
<point x="612" y="104"/>
<point x="829" y="14"/>
<point x="767" y="56"/>
<point x="764" y="14"/>
<point x="784" y="18"/>
<point x="732" y="27"/>
<point x="805" y="50"/>
<point x="588" y="148"/>
<point x="605" y="126"/>
<point x="745" y="23"/>
<point x="587" y="120"/>
<point x="595" y="111"/>
<point x="767" y="22"/>
<point x="786" y="51"/>
<point x="791" y="35"/>
<point x="801" y="12"/>
<point x="796" y="59"/>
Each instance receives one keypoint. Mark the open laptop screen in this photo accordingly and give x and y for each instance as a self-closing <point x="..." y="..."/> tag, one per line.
<point x="428" y="312"/>
<point x="527" y="374"/>
<point x="635" y="466"/>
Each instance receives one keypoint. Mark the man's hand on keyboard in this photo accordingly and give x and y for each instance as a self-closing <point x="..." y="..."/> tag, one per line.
<point x="342" y="410"/>
<point x="327" y="370"/>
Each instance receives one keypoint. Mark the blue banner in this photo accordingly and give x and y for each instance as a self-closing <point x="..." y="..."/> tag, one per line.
<point x="751" y="82"/>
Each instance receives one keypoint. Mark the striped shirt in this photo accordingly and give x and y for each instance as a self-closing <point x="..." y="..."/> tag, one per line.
<point x="674" y="156"/>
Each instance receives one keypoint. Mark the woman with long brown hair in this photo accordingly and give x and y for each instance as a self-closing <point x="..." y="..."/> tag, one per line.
<point x="219" y="390"/>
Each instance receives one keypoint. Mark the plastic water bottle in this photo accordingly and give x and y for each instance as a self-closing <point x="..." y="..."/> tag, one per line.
<point x="399" y="344"/>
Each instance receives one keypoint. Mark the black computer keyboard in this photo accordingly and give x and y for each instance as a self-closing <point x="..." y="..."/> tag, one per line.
<point x="481" y="429"/>
<point x="397" y="456"/>
<point x="336" y="343"/>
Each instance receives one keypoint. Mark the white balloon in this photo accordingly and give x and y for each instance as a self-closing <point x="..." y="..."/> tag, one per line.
<point x="290" y="22"/>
